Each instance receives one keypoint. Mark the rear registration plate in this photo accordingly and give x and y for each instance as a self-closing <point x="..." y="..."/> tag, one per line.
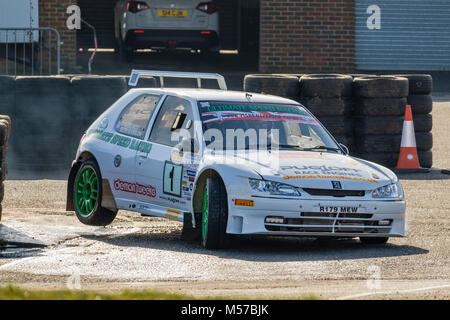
<point x="331" y="209"/>
<point x="172" y="13"/>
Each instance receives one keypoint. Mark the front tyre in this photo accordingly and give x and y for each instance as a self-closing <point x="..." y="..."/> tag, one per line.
<point x="372" y="240"/>
<point x="87" y="196"/>
<point x="214" y="214"/>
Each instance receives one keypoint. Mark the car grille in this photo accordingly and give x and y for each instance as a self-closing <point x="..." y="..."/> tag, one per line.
<point x="335" y="193"/>
<point x="339" y="223"/>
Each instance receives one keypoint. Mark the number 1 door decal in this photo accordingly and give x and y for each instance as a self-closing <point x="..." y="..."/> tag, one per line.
<point x="172" y="179"/>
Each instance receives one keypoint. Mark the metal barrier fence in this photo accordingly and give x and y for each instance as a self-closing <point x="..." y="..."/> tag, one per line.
<point x="30" y="51"/>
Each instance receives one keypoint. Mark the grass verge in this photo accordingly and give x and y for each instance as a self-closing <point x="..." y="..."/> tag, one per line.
<point x="15" y="293"/>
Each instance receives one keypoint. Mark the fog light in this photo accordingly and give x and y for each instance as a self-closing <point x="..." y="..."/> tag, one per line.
<point x="279" y="220"/>
<point x="384" y="222"/>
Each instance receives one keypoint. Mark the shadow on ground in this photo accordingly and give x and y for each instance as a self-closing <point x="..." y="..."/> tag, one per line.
<point x="434" y="174"/>
<point x="16" y="244"/>
<point x="266" y="249"/>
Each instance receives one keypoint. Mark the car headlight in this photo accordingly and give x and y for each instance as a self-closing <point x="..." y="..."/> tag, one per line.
<point x="274" y="188"/>
<point x="390" y="191"/>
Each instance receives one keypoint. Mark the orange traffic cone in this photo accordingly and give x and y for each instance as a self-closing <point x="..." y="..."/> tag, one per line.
<point x="408" y="159"/>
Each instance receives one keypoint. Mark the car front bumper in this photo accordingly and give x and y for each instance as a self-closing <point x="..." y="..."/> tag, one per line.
<point x="194" y="39"/>
<point x="329" y="218"/>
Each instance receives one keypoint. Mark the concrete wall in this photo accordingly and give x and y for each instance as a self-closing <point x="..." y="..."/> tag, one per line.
<point x="50" y="114"/>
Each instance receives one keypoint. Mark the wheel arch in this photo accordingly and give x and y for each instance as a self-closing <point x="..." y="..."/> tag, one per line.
<point x="197" y="198"/>
<point x="108" y="201"/>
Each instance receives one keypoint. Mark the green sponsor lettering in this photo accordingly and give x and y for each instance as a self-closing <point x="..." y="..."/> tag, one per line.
<point x="134" y="145"/>
<point x="122" y="141"/>
<point x="145" y="147"/>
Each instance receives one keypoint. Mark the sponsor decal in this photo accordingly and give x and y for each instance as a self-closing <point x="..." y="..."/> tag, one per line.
<point x="244" y="203"/>
<point x="191" y="179"/>
<point x="204" y="104"/>
<point x="323" y="170"/>
<point x="219" y="116"/>
<point x="375" y="176"/>
<point x="259" y="108"/>
<point x="122" y="141"/>
<point x="172" y="214"/>
<point x="287" y="177"/>
<point x="191" y="173"/>
<point x="137" y="188"/>
<point x="171" y="199"/>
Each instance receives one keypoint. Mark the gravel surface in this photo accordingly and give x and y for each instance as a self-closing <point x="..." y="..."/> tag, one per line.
<point x="138" y="252"/>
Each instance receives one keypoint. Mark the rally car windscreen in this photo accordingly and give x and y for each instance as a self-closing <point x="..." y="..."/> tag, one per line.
<point x="239" y="125"/>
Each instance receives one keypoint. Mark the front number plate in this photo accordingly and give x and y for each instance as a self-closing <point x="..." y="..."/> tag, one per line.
<point x="331" y="209"/>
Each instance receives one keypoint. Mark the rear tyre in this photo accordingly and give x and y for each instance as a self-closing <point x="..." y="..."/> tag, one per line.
<point x="371" y="240"/>
<point x="87" y="196"/>
<point x="214" y="214"/>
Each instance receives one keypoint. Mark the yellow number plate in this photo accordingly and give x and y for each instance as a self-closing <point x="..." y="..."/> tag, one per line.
<point x="172" y="13"/>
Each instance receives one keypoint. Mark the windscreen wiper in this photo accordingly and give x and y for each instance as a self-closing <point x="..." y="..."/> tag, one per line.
<point x="321" y="148"/>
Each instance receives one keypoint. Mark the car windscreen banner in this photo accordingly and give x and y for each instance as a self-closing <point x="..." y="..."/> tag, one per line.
<point x="220" y="111"/>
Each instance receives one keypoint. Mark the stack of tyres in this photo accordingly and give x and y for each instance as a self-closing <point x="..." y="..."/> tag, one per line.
<point x="379" y="110"/>
<point x="90" y="96"/>
<point x="421" y="102"/>
<point x="42" y="124"/>
<point x="328" y="97"/>
<point x="5" y="131"/>
<point x="282" y="85"/>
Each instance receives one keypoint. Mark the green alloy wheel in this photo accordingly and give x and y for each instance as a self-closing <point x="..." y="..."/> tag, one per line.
<point x="205" y="214"/>
<point x="87" y="196"/>
<point x="214" y="214"/>
<point x="86" y="191"/>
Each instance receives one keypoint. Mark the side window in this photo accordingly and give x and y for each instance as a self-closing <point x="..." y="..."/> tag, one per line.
<point x="134" y="118"/>
<point x="175" y="114"/>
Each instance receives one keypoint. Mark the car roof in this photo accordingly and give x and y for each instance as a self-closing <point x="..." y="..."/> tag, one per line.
<point x="217" y="95"/>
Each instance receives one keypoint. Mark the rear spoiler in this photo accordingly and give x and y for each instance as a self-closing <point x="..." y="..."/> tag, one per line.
<point x="135" y="74"/>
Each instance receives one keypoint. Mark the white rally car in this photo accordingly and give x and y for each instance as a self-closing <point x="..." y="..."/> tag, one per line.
<point x="227" y="162"/>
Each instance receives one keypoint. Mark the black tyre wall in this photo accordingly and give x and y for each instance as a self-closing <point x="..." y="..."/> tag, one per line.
<point x="328" y="106"/>
<point x="381" y="87"/>
<point x="278" y="85"/>
<point x="326" y="85"/>
<point x="391" y="143"/>
<point x="420" y="103"/>
<point x="380" y="106"/>
<point x="419" y="83"/>
<point x="391" y="125"/>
